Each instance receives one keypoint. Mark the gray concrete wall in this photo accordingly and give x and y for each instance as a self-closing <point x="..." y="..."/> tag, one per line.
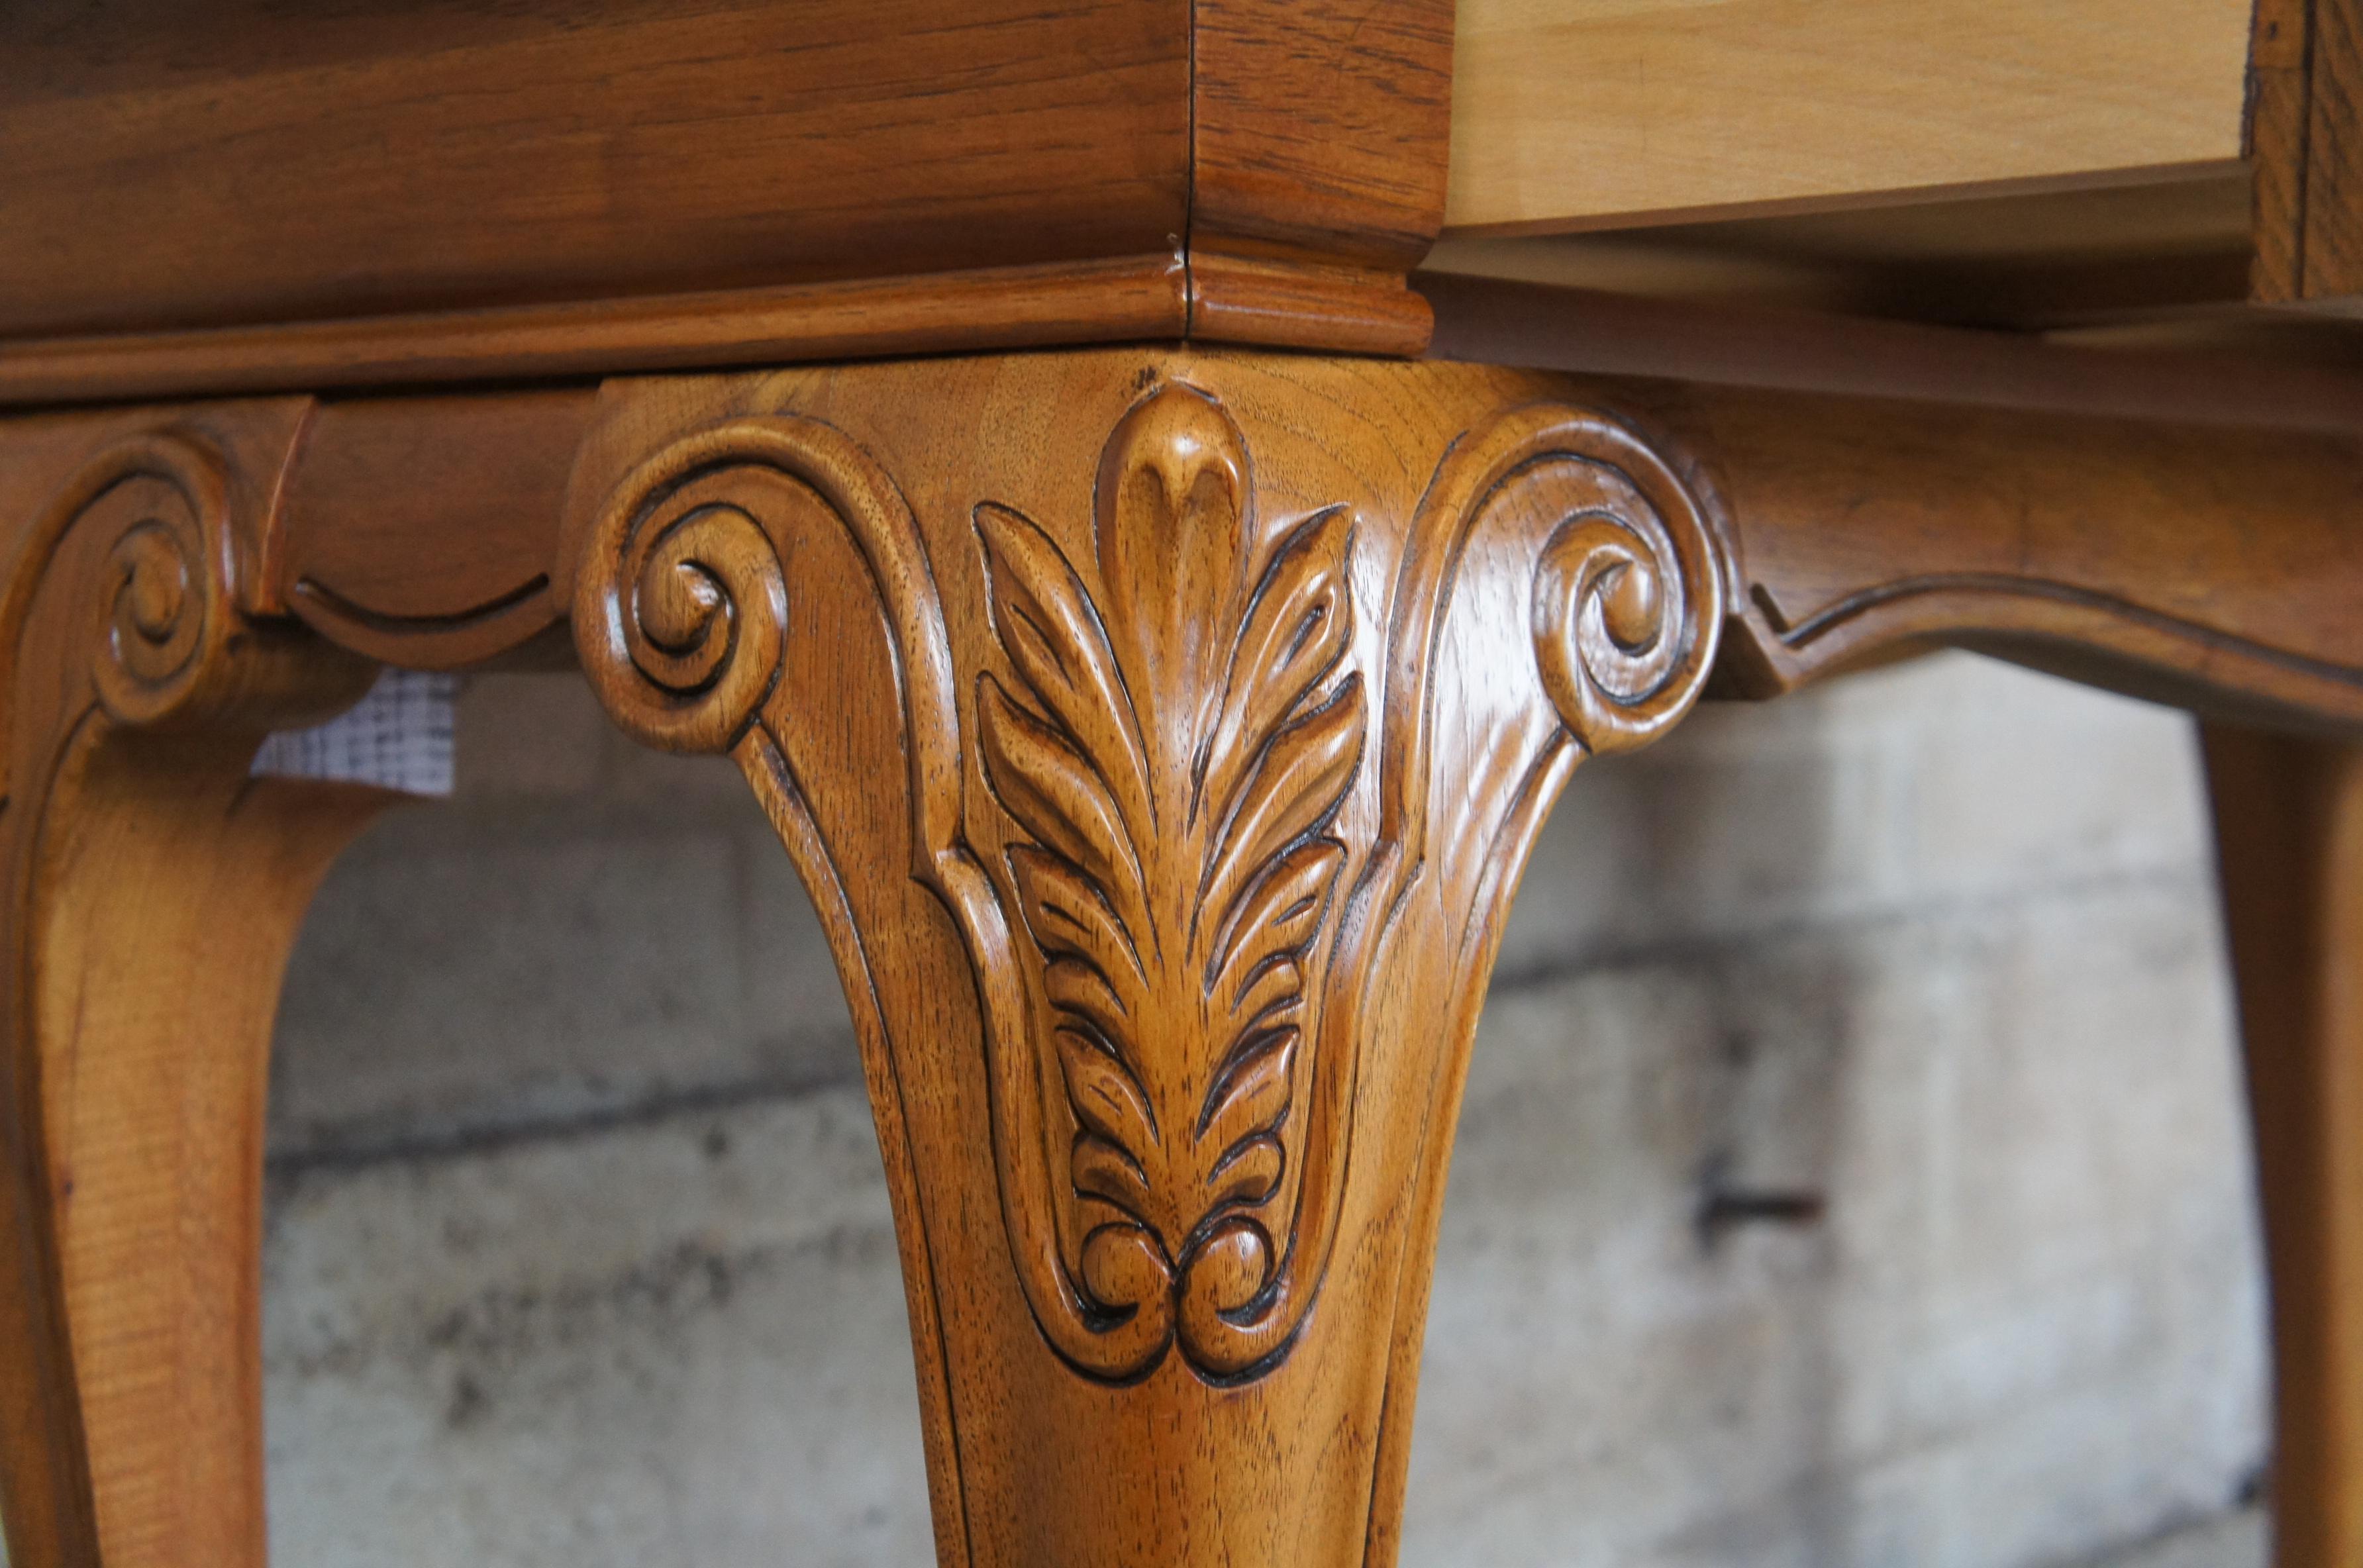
<point x="579" y="1251"/>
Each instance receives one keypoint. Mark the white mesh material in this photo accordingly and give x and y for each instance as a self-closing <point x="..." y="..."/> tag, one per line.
<point x="397" y="737"/>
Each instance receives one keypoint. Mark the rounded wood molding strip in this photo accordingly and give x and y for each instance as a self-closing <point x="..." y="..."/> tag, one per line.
<point x="1126" y="298"/>
<point x="1162" y="297"/>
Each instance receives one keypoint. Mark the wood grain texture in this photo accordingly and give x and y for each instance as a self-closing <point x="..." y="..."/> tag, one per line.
<point x="1136" y="297"/>
<point x="2289" y="834"/>
<point x="417" y="530"/>
<point x="152" y="893"/>
<point x="2306" y="134"/>
<point x="2020" y="259"/>
<point x="1592" y="113"/>
<point x="1320" y="130"/>
<point x="1492" y="321"/>
<point x="2176" y="526"/>
<point x="1224" y="694"/>
<point x="2333" y="256"/>
<point x="2214" y="568"/>
<point x="2280" y="94"/>
<point x="552" y="151"/>
<point x="1160" y="731"/>
<point x="627" y="186"/>
<point x="1298" y="304"/>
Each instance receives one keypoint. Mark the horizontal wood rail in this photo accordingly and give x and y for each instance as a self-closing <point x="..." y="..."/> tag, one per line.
<point x="2169" y="525"/>
<point x="2176" y="526"/>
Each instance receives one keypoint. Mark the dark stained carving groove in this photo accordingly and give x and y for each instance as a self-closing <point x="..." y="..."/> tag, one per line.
<point x="334" y="604"/>
<point x="449" y="641"/>
<point x="1859" y="606"/>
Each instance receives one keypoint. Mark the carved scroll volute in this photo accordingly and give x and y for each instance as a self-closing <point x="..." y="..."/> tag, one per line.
<point x="1628" y="591"/>
<point x="681" y="605"/>
<point x="1214" y="785"/>
<point x="1145" y="883"/>
<point x="142" y="537"/>
<point x="1173" y="752"/>
<point x="1617" y="594"/>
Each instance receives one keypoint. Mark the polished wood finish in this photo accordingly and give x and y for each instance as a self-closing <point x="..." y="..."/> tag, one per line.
<point x="2175" y="526"/>
<point x="2168" y="249"/>
<point x="2288" y="832"/>
<point x="1160" y="731"/>
<point x="1571" y="115"/>
<point x="2215" y="568"/>
<point x="1886" y="484"/>
<point x="631" y="186"/>
<point x="1145" y="297"/>
<point x="1492" y="321"/>
<point x="153" y="892"/>
<point x="2332" y="254"/>
<point x="1160" y="734"/>
<point x="152" y="1012"/>
<point x="2279" y="96"/>
<point x="416" y="530"/>
<point x="1320" y="130"/>
<point x="555" y="152"/>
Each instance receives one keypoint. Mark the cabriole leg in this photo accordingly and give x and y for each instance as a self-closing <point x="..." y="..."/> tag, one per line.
<point x="1160" y="735"/>
<point x="2289" y="834"/>
<point x="153" y="892"/>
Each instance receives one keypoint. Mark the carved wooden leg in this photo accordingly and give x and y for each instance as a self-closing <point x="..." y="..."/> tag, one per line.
<point x="152" y="892"/>
<point x="1160" y="735"/>
<point x="2288" y="832"/>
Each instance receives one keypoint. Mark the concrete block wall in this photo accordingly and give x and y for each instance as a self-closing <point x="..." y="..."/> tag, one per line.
<point x="579" y="1253"/>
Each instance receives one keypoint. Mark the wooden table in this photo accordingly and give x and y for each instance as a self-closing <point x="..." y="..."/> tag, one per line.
<point x="1154" y="612"/>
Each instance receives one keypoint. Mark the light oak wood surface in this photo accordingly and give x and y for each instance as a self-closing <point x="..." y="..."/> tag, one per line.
<point x="1572" y="115"/>
<point x="2020" y="165"/>
<point x="2028" y="259"/>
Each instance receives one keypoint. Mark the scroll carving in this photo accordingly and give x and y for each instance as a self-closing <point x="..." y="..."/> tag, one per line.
<point x="133" y="690"/>
<point x="1170" y="777"/>
<point x="164" y="593"/>
<point x="139" y="551"/>
<point x="1629" y="589"/>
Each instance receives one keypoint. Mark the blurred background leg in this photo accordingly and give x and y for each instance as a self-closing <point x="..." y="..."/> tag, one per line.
<point x="2289" y="830"/>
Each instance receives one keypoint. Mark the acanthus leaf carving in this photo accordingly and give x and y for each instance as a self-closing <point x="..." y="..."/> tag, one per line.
<point x="1175" y="768"/>
<point x="1175" y="785"/>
